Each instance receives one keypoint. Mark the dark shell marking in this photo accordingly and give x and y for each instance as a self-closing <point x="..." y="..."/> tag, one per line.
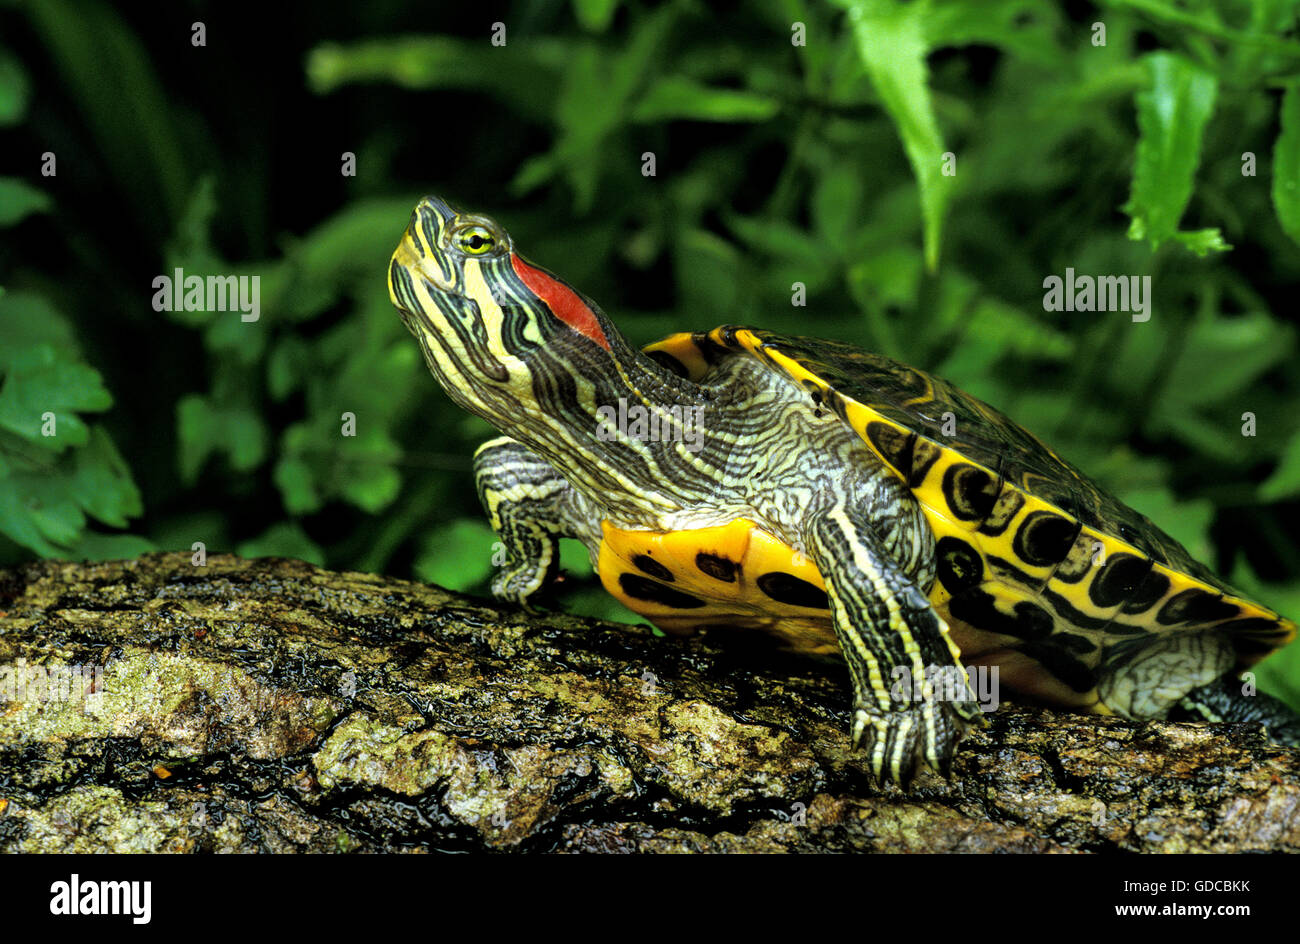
<point x="793" y="591"/>
<point x="719" y="568"/>
<point x="1027" y="546"/>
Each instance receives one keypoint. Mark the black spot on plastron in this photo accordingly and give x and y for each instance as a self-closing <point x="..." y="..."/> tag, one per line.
<point x="893" y="444"/>
<point x="958" y="565"/>
<point x="1061" y="664"/>
<point x="1149" y="592"/>
<point x="1118" y="579"/>
<point x="717" y="567"/>
<point x="1045" y="538"/>
<point x="1195" y="606"/>
<point x="789" y="589"/>
<point x="970" y="491"/>
<point x="639" y="588"/>
<point x="648" y="565"/>
<point x="978" y="608"/>
<point x="664" y="359"/>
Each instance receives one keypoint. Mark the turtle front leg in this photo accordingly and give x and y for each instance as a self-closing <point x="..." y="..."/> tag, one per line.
<point x="530" y="506"/>
<point x="912" y="697"/>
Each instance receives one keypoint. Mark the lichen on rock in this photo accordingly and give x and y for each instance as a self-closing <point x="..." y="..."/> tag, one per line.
<point x="268" y="705"/>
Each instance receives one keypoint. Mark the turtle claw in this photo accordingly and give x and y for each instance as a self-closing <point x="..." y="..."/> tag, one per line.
<point x="524" y="586"/>
<point x="899" y="742"/>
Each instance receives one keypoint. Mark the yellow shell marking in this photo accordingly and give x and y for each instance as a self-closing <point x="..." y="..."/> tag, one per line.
<point x="736" y="575"/>
<point x="930" y="493"/>
<point x="1067" y="589"/>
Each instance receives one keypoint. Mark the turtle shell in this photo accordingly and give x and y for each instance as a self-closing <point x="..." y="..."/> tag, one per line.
<point x="1031" y="554"/>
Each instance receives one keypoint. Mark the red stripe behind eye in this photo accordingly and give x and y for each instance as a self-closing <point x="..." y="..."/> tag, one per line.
<point x="562" y="300"/>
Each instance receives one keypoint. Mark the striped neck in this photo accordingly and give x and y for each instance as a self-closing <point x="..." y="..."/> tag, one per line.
<point x="526" y="351"/>
<point x="605" y="415"/>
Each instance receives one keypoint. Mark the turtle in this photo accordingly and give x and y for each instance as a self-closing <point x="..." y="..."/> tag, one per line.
<point x="837" y="501"/>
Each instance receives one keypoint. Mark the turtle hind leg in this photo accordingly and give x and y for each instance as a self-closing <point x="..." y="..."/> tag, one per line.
<point x="530" y="506"/>
<point x="1223" y="700"/>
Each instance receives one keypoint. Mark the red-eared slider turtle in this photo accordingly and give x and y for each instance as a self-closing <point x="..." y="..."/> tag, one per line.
<point x="835" y="498"/>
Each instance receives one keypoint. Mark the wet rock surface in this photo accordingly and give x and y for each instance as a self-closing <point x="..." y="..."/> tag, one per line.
<point x="268" y="705"/>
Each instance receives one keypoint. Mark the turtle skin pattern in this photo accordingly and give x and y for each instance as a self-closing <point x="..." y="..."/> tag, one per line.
<point x="1030" y="550"/>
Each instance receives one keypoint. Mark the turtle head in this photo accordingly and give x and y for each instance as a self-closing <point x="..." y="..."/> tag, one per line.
<point x="513" y="343"/>
<point x="486" y="319"/>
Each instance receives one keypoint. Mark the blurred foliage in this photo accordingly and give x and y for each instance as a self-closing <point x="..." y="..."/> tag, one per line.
<point x="1171" y="149"/>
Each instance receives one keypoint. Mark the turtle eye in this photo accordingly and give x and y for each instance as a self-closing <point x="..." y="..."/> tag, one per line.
<point x="476" y="240"/>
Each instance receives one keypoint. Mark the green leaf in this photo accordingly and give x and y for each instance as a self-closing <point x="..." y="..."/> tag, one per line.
<point x="1021" y="26"/>
<point x="191" y="244"/>
<point x="677" y="97"/>
<point x="102" y="482"/>
<point x="297" y="484"/>
<point x="1172" y="113"/>
<point x="595" y="15"/>
<point x="286" y="539"/>
<point x="1223" y="356"/>
<point x="19" y="200"/>
<point x="15" y="89"/>
<point x="95" y="545"/>
<point x="41" y="380"/>
<point x="836" y="206"/>
<point x="288" y="360"/>
<point x="37" y="511"/>
<point x="1203" y="241"/>
<point x="205" y="428"/>
<point x="1285" y="481"/>
<point x="109" y="73"/>
<point x="523" y="73"/>
<point x="708" y="274"/>
<point x="28" y="319"/>
<point x="993" y="330"/>
<point x="459" y="555"/>
<point x="43" y="506"/>
<point x="317" y="463"/>
<point x="596" y="90"/>
<point x="1286" y="164"/>
<point x="371" y="485"/>
<point x="346" y="250"/>
<point x="891" y="43"/>
<point x="1187" y="522"/>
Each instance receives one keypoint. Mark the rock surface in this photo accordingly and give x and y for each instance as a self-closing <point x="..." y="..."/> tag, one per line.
<point x="268" y="705"/>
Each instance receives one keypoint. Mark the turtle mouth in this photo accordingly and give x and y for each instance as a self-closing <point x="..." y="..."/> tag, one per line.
<point x="418" y="273"/>
<point x="425" y="260"/>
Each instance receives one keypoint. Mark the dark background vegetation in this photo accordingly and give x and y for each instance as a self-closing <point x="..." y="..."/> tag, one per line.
<point x="776" y="164"/>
